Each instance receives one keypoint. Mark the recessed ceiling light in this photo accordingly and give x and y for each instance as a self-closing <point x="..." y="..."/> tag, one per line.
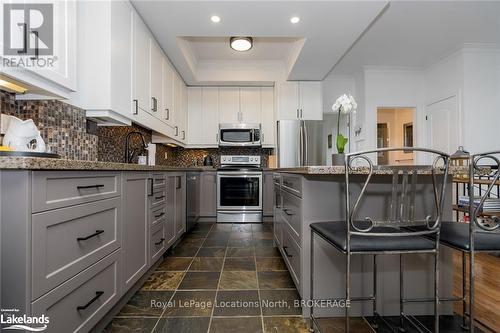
<point x="241" y="43"/>
<point x="215" y="19"/>
<point x="295" y="19"/>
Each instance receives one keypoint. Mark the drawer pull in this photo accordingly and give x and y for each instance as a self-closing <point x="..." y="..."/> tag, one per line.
<point x="90" y="186"/>
<point x="159" y="215"/>
<point x="160" y="197"/>
<point x="97" y="233"/>
<point x="287" y="212"/>
<point x="160" y="241"/>
<point x="96" y="297"/>
<point x="286" y="252"/>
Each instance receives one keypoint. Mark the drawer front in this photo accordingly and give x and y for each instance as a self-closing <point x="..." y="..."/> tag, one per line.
<point x="159" y="180"/>
<point x="292" y="183"/>
<point x="158" y="215"/>
<point x="158" y="199"/>
<point x="78" y="304"/>
<point x="66" y="241"/>
<point x="292" y="254"/>
<point x="292" y="213"/>
<point x="158" y="242"/>
<point x="56" y="189"/>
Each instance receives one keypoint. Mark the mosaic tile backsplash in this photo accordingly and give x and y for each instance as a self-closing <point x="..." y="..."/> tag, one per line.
<point x="64" y="129"/>
<point x="62" y="126"/>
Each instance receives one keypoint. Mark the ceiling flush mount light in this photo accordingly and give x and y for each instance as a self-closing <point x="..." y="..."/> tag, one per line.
<point x="241" y="43"/>
<point x="295" y="19"/>
<point x="215" y="19"/>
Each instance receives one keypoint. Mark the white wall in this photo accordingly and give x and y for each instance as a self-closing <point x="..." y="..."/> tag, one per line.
<point x="392" y="88"/>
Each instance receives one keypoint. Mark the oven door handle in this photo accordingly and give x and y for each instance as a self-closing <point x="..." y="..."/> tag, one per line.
<point x="239" y="174"/>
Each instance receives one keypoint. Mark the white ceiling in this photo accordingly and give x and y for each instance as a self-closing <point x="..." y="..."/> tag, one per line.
<point x="308" y="50"/>
<point x="415" y="34"/>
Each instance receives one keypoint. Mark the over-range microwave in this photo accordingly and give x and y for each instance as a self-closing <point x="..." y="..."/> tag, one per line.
<point x="240" y="135"/>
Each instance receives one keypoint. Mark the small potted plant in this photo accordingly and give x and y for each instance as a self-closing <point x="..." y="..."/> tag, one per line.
<point x="345" y="104"/>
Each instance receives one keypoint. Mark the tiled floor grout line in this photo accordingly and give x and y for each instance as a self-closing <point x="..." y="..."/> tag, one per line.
<point x="185" y="272"/>
<point x="218" y="284"/>
<point x="258" y="286"/>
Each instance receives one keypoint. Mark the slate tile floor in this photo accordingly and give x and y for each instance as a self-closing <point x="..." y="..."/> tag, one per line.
<point x="221" y="265"/>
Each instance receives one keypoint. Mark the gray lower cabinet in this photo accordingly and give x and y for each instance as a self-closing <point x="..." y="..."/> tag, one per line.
<point x="71" y="239"/>
<point x="135" y="247"/>
<point x="79" y="303"/>
<point x="267" y="194"/>
<point x="158" y="241"/>
<point x="208" y="198"/>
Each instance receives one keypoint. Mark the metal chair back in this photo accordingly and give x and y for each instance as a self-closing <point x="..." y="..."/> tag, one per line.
<point x="402" y="214"/>
<point x="479" y="166"/>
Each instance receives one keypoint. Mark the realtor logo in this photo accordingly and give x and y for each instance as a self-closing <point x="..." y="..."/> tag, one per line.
<point x="28" y="29"/>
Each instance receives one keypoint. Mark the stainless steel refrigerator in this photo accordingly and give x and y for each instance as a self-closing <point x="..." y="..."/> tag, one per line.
<point x="300" y="143"/>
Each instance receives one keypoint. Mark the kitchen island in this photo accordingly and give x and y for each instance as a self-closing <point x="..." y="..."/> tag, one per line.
<point x="316" y="193"/>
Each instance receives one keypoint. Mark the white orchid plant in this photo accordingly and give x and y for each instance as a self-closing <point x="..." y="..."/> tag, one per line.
<point x="345" y="104"/>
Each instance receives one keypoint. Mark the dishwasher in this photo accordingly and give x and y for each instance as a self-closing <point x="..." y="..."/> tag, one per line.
<point x="192" y="199"/>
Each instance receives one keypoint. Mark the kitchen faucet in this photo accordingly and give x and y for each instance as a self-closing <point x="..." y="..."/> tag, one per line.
<point x="129" y="153"/>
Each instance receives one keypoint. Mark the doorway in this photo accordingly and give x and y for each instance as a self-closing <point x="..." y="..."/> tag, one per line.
<point x="395" y="128"/>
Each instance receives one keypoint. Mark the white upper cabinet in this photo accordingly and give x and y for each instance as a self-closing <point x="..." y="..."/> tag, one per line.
<point x="183" y="123"/>
<point x="105" y="26"/>
<point x="229" y="105"/>
<point x="267" y="117"/>
<point x="250" y="105"/>
<point x="177" y="114"/>
<point x="52" y="51"/>
<point x="168" y="91"/>
<point x="300" y="100"/>
<point x="140" y="66"/>
<point x="195" y="134"/>
<point x="210" y="115"/>
<point x="311" y="100"/>
<point x="155" y="79"/>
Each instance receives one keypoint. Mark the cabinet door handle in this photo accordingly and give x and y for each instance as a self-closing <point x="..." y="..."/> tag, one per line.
<point x="183" y="135"/>
<point x="97" y="186"/>
<point x="25" y="38"/>
<point x="89" y="303"/>
<point x="160" y="197"/>
<point x="286" y="211"/>
<point x="179" y="182"/>
<point x="160" y="241"/>
<point x="159" y="215"/>
<point x="301" y="115"/>
<point x="95" y="234"/>
<point x="155" y="104"/>
<point x="136" y="107"/>
<point x="286" y="252"/>
<point x="298" y="115"/>
<point x="176" y="130"/>
<point x="150" y="180"/>
<point x="168" y="114"/>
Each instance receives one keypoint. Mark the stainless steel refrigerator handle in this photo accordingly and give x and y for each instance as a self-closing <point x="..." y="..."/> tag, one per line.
<point x="304" y="142"/>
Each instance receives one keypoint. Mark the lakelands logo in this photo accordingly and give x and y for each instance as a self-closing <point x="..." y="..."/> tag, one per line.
<point x="28" y="35"/>
<point x="14" y="321"/>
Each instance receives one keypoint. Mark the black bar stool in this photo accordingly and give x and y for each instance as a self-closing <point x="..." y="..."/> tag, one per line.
<point x="390" y="234"/>
<point x="482" y="233"/>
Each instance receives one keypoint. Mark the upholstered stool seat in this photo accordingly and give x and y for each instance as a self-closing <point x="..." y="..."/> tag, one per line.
<point x="335" y="233"/>
<point x="456" y="234"/>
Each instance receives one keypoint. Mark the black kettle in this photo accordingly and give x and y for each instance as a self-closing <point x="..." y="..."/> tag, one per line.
<point x="207" y="161"/>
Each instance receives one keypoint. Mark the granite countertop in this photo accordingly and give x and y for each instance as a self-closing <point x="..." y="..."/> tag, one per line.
<point x="37" y="163"/>
<point x="340" y="170"/>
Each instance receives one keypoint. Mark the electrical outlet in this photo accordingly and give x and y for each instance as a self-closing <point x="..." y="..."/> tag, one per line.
<point x="166" y="155"/>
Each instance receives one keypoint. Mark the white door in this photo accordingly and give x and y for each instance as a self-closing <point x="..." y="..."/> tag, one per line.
<point x="250" y="105"/>
<point x="140" y="76"/>
<point x="443" y="125"/>
<point x="168" y="91"/>
<point x="195" y="122"/>
<point x="311" y="101"/>
<point x="229" y="105"/>
<point x="288" y="100"/>
<point x="155" y="78"/>
<point x="210" y="115"/>
<point x="267" y="116"/>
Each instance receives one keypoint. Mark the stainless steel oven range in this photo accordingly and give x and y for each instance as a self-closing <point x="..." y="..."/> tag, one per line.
<point x="239" y="189"/>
